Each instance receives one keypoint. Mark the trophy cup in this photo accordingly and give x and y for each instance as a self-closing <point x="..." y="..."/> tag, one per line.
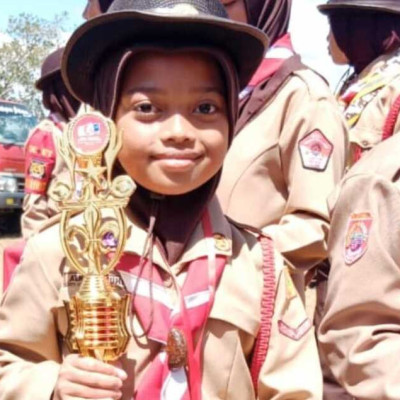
<point x="93" y="242"/>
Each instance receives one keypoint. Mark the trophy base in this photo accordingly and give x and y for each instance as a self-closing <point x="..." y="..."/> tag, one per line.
<point x="97" y="320"/>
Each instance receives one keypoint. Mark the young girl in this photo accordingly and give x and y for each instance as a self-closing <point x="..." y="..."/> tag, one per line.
<point x="168" y="73"/>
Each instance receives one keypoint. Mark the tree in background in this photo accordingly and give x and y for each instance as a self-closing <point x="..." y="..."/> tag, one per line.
<point x="29" y="40"/>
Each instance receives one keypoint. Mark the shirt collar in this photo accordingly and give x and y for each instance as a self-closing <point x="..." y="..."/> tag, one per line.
<point x="197" y="245"/>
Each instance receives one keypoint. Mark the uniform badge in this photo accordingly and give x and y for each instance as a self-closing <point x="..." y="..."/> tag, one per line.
<point x="295" y="333"/>
<point x="356" y="240"/>
<point x="37" y="169"/>
<point x="315" y="151"/>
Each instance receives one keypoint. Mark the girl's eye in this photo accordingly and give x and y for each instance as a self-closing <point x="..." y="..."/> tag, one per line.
<point x="145" y="108"/>
<point x="206" y="108"/>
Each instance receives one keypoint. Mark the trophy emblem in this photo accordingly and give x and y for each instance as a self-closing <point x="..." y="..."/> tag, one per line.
<point x="93" y="242"/>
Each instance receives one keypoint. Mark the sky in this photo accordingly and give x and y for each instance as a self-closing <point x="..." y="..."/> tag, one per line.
<point x="308" y="27"/>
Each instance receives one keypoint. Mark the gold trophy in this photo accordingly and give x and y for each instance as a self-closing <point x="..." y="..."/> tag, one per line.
<point x="94" y="241"/>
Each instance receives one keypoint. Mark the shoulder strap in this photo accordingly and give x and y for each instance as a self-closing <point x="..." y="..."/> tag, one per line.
<point x="391" y="120"/>
<point x="267" y="310"/>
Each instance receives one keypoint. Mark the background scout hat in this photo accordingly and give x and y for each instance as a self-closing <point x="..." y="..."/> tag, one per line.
<point x="173" y="22"/>
<point x="392" y="6"/>
<point x="50" y="67"/>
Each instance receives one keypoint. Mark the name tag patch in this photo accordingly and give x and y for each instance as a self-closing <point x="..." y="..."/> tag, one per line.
<point x="315" y="151"/>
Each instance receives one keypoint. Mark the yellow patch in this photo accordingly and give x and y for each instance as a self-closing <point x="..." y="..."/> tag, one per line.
<point x="291" y="291"/>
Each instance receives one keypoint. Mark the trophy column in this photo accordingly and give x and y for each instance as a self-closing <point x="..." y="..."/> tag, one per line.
<point x="94" y="242"/>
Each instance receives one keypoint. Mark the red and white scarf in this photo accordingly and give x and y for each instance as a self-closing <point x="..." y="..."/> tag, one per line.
<point x="281" y="50"/>
<point x="155" y="312"/>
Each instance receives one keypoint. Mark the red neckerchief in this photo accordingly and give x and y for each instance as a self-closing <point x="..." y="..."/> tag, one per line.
<point x="281" y="50"/>
<point x="156" y="315"/>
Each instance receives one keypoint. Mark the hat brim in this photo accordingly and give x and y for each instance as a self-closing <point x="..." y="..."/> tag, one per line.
<point x="42" y="81"/>
<point x="353" y="4"/>
<point x="245" y="44"/>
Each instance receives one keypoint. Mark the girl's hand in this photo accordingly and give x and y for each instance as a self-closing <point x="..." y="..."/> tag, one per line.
<point x="87" y="378"/>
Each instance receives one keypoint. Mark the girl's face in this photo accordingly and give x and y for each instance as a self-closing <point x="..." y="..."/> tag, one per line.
<point x="92" y="9"/>
<point x="236" y="10"/>
<point x="173" y="114"/>
<point x="335" y="52"/>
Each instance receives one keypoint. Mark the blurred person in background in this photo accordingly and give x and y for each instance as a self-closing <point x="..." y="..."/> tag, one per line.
<point x="96" y="7"/>
<point x="42" y="164"/>
<point x="289" y="149"/>
<point x="365" y="34"/>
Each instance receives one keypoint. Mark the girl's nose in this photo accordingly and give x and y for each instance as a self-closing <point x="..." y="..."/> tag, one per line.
<point x="178" y="129"/>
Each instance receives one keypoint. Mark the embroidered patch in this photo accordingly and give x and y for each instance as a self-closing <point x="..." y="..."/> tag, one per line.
<point x="315" y="151"/>
<point x="37" y="169"/>
<point x="356" y="239"/>
<point x="295" y="333"/>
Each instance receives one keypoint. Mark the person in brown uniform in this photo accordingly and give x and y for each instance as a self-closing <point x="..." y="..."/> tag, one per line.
<point x="360" y="331"/>
<point x="94" y="8"/>
<point x="42" y="165"/>
<point x="170" y="80"/>
<point x="289" y="149"/>
<point x="366" y="35"/>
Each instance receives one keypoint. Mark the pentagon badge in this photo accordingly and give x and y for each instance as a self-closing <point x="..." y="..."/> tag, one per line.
<point x="315" y="151"/>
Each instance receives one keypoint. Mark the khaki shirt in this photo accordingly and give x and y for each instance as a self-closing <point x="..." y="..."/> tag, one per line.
<point x="368" y="130"/>
<point x="264" y="182"/>
<point x="360" y="332"/>
<point x="33" y="322"/>
<point x="38" y="208"/>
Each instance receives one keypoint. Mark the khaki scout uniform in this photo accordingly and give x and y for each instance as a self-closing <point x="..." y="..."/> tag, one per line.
<point x="33" y="322"/>
<point x="38" y="207"/>
<point x="268" y="182"/>
<point x="359" y="333"/>
<point x="375" y="106"/>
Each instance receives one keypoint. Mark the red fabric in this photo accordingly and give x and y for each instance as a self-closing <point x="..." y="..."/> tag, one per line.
<point x="40" y="157"/>
<point x="269" y="66"/>
<point x="151" y="305"/>
<point x="11" y="257"/>
<point x="391" y="119"/>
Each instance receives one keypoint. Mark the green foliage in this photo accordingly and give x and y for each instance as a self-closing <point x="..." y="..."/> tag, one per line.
<point x="31" y="40"/>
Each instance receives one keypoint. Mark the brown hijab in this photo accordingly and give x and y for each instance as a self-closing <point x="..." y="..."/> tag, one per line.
<point x="172" y="218"/>
<point x="271" y="16"/>
<point x="105" y="5"/>
<point x="363" y="35"/>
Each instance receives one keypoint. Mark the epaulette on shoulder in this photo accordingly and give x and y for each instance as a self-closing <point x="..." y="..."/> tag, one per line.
<point x="46" y="125"/>
<point x="248" y="228"/>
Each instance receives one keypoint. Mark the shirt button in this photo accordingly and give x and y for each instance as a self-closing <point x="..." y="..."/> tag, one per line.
<point x="221" y="242"/>
<point x="365" y="143"/>
<point x="168" y="282"/>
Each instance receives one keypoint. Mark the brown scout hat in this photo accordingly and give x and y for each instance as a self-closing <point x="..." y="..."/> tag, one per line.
<point x="391" y="6"/>
<point x="50" y="68"/>
<point x="172" y="22"/>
